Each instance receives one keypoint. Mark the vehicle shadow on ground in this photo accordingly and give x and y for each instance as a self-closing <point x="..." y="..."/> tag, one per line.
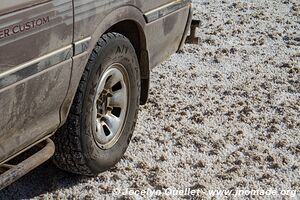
<point x="45" y="178"/>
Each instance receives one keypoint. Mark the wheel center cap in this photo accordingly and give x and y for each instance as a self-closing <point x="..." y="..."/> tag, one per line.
<point x="110" y="106"/>
<point x="103" y="103"/>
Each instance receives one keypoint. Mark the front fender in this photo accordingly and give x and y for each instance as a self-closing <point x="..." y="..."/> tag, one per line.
<point x="92" y="28"/>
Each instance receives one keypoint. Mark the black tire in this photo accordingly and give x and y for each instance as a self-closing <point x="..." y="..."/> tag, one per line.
<point x="76" y="148"/>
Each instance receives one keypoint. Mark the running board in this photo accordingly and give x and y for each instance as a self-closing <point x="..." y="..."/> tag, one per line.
<point x="14" y="172"/>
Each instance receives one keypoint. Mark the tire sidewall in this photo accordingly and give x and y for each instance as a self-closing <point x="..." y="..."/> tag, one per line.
<point x="117" y="50"/>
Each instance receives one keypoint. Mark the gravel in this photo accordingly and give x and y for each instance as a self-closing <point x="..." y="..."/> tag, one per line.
<point x="224" y="114"/>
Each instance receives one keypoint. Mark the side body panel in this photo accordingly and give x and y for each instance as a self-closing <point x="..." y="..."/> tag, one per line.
<point x="93" y="18"/>
<point x="36" y="63"/>
<point x="165" y="34"/>
<point x="35" y="69"/>
<point x="8" y="6"/>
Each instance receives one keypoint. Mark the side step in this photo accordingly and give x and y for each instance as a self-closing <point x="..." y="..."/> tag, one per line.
<point x="192" y="39"/>
<point x="14" y="172"/>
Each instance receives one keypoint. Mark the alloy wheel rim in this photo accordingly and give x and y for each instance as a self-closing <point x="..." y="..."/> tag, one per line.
<point x="110" y="106"/>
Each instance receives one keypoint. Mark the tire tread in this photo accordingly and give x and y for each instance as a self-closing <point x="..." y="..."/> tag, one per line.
<point x="69" y="155"/>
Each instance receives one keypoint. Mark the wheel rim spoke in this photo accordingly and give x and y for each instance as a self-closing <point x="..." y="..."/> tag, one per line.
<point x="115" y="77"/>
<point x="100" y="131"/>
<point x="118" y="99"/>
<point x="112" y="122"/>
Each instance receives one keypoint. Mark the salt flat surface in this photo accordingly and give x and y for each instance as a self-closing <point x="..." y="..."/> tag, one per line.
<point x="222" y="115"/>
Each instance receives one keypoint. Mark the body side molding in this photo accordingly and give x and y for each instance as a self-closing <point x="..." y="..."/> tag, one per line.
<point x="165" y="10"/>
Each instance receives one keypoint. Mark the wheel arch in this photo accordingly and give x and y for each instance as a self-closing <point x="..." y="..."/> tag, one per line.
<point x="135" y="33"/>
<point x="130" y="22"/>
<point x="116" y="21"/>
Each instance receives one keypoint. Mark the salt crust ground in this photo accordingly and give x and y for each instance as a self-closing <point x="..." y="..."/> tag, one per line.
<point x="222" y="115"/>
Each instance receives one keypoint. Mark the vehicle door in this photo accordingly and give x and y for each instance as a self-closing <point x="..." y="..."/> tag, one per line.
<point x="35" y="67"/>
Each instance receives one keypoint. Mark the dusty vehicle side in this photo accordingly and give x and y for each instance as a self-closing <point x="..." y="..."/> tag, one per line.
<point x="49" y="47"/>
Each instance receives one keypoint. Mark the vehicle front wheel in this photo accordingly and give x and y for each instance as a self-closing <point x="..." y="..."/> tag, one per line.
<point x="103" y="115"/>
